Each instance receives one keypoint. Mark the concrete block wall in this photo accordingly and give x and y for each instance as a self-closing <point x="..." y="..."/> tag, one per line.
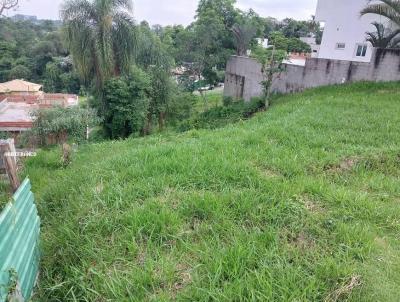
<point x="384" y="66"/>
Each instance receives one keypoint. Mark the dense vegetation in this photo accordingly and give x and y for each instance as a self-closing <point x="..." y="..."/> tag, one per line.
<point x="126" y="68"/>
<point x="35" y="51"/>
<point x="298" y="203"/>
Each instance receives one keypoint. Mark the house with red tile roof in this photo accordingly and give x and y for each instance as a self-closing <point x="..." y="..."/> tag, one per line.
<point x="18" y="98"/>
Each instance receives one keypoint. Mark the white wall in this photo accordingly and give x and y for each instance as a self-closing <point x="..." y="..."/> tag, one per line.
<point x="343" y="24"/>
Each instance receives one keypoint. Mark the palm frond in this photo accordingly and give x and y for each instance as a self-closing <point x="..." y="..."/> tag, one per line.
<point x="124" y="40"/>
<point x="76" y="9"/>
<point x="100" y="36"/>
<point x="383" y="37"/>
<point x="124" y="4"/>
<point x="387" y="8"/>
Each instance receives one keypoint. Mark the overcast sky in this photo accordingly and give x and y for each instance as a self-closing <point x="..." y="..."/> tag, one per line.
<point x="180" y="11"/>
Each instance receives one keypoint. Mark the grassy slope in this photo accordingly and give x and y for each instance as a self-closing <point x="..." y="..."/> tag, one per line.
<point x="288" y="206"/>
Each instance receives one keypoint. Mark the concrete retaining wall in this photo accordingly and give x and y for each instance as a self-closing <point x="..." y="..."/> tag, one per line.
<point x="384" y="66"/>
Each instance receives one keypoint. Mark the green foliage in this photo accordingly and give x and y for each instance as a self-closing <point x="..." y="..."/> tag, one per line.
<point x="216" y="117"/>
<point x="291" y="28"/>
<point x="59" y="76"/>
<point x="126" y="104"/>
<point x="162" y="88"/>
<point x="289" y="205"/>
<point x="35" y="52"/>
<point x="288" y="44"/>
<point x="101" y="38"/>
<point x="384" y="37"/>
<point x="62" y="124"/>
<point x="271" y="62"/>
<point x="151" y="51"/>
<point x="180" y="107"/>
<point x="389" y="9"/>
<point x="19" y="72"/>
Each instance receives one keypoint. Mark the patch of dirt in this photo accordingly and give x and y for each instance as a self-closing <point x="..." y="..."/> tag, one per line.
<point x="344" y="166"/>
<point x="301" y="241"/>
<point x="169" y="197"/>
<point x="184" y="278"/>
<point x="310" y="204"/>
<point x="141" y="258"/>
<point x="266" y="172"/>
<point x="99" y="187"/>
<point x="382" y="242"/>
<point x="345" y="289"/>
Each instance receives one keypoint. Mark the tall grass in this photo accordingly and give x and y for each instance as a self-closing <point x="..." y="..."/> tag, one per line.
<point x="300" y="203"/>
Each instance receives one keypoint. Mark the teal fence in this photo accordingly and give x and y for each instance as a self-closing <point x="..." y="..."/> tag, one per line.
<point x="19" y="244"/>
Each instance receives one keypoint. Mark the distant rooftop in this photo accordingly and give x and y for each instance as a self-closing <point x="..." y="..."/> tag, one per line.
<point x="19" y="86"/>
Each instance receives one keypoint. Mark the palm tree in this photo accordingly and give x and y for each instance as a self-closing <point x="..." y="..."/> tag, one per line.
<point x="386" y="8"/>
<point x="101" y="37"/>
<point x="383" y="37"/>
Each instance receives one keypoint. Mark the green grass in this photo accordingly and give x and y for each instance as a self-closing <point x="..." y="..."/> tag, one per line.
<point x="5" y="192"/>
<point x="220" y="116"/>
<point x="213" y="98"/>
<point x="289" y="206"/>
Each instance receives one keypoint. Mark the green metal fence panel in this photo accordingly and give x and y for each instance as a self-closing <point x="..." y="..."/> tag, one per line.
<point x="19" y="243"/>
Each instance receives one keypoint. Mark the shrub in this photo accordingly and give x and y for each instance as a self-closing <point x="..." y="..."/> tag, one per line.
<point x="125" y="104"/>
<point x="180" y="107"/>
<point x="223" y="115"/>
<point x="56" y="125"/>
<point x="227" y="100"/>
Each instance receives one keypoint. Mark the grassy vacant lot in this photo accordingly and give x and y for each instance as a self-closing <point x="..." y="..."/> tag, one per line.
<point x="300" y="203"/>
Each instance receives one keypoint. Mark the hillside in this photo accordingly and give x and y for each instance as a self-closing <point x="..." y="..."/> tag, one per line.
<point x="300" y="203"/>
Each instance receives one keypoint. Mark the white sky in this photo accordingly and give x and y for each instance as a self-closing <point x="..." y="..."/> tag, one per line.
<point x="179" y="11"/>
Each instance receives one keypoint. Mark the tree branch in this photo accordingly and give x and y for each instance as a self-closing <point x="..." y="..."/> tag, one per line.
<point x="6" y="5"/>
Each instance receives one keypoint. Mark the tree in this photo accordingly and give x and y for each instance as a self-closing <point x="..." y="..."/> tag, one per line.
<point x="20" y="72"/>
<point x="288" y="44"/>
<point x="295" y="29"/>
<point x="271" y="63"/>
<point x="213" y="40"/>
<point x="6" y="5"/>
<point x="62" y="124"/>
<point x="100" y="36"/>
<point x="245" y="30"/>
<point x="386" y="8"/>
<point x="383" y="37"/>
<point x="160" y="93"/>
<point x="225" y="9"/>
<point x="127" y="103"/>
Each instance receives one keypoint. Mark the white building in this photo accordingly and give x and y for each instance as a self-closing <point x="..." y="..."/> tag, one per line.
<point x="313" y="44"/>
<point x="344" y="35"/>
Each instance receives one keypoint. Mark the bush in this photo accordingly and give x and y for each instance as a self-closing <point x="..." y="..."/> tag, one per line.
<point x="227" y="100"/>
<point x="217" y="117"/>
<point x="125" y="104"/>
<point x="56" y="125"/>
<point x="180" y="107"/>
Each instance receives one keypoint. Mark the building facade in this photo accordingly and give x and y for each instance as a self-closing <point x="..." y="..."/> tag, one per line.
<point x="344" y="36"/>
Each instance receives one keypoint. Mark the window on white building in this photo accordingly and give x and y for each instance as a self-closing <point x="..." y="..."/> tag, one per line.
<point x="340" y="45"/>
<point x="361" y="50"/>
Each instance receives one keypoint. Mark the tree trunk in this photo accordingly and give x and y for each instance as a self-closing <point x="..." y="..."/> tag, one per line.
<point x="161" y="120"/>
<point x="147" y="126"/>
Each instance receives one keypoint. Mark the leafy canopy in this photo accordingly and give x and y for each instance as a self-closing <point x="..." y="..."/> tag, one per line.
<point x="101" y="37"/>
